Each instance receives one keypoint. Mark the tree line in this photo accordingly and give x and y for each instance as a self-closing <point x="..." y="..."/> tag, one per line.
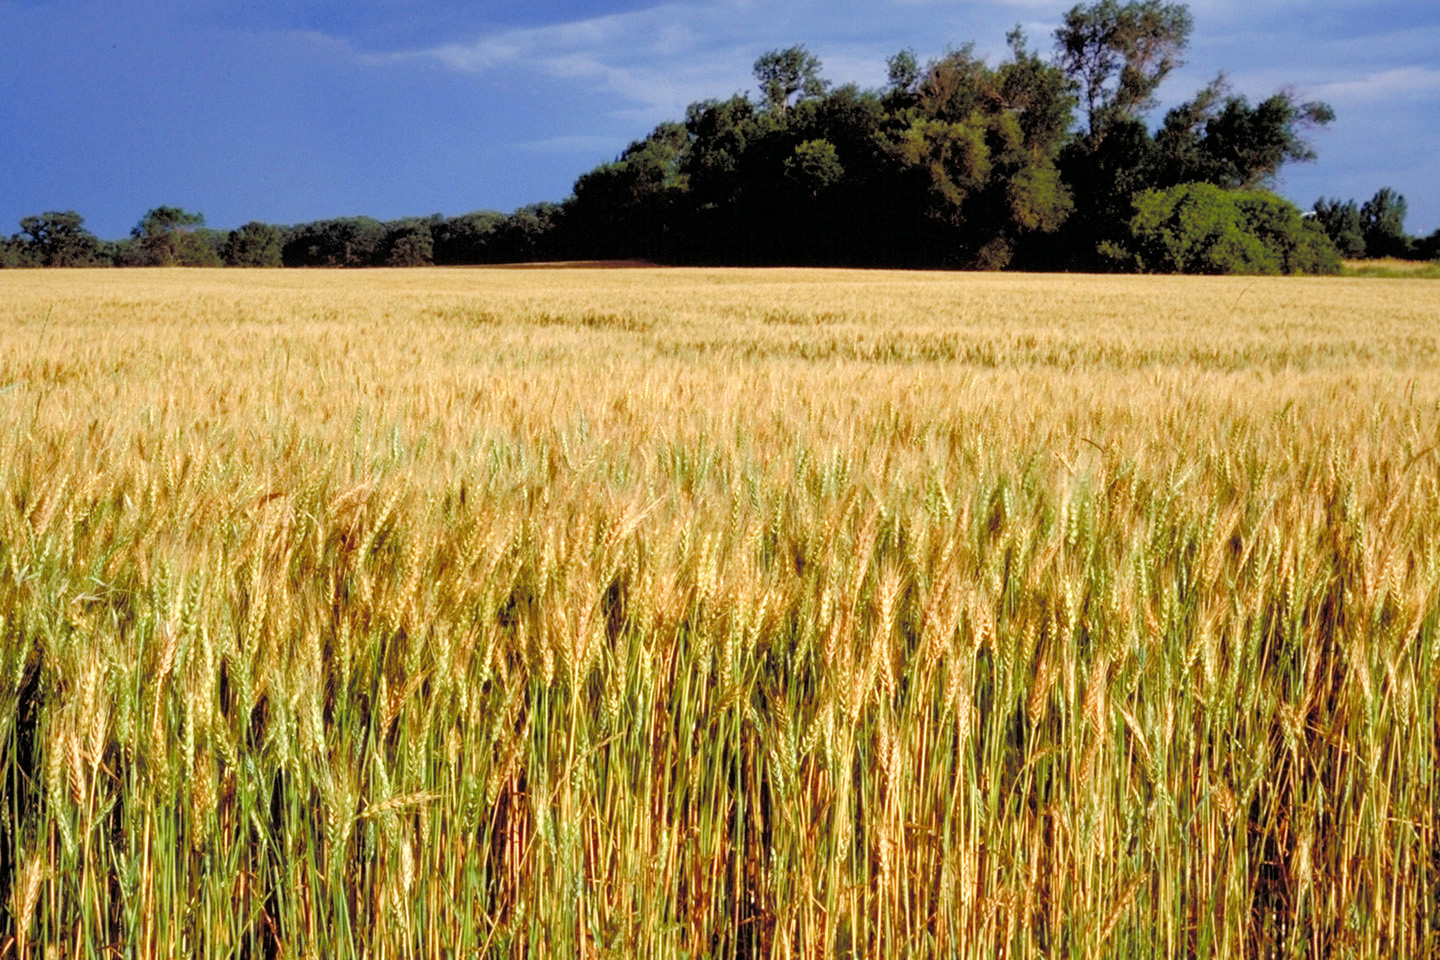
<point x="170" y="236"/>
<point x="1035" y="162"/>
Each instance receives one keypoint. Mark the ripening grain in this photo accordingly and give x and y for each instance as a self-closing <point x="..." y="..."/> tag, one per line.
<point x="718" y="613"/>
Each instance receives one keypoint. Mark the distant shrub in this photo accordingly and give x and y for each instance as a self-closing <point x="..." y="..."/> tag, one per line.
<point x="13" y="253"/>
<point x="469" y="238"/>
<point x="408" y="244"/>
<point x="342" y="242"/>
<point x="1428" y="248"/>
<point x="256" y="244"/>
<point x="1201" y="228"/>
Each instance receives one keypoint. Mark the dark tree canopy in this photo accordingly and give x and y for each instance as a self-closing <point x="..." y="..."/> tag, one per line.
<point x="408" y="243"/>
<point x="1383" y="219"/>
<point x="255" y="244"/>
<point x="59" y="239"/>
<point x="469" y="238"/>
<point x="1343" y="224"/>
<point x="1428" y="248"/>
<point x="342" y="242"/>
<point x="1374" y="229"/>
<point x="1220" y="138"/>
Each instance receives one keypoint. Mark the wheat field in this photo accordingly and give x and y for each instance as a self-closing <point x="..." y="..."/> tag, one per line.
<point x="699" y="613"/>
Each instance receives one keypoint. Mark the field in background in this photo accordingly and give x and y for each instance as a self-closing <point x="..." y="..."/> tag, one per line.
<point x="1392" y="268"/>
<point x="695" y="613"/>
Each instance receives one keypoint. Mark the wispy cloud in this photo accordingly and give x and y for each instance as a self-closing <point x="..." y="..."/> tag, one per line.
<point x="1385" y="86"/>
<point x="657" y="59"/>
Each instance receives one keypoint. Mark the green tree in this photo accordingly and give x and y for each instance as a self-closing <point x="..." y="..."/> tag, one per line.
<point x="169" y="237"/>
<point x="786" y="73"/>
<point x="647" y="168"/>
<point x="902" y="73"/>
<point x="1119" y="53"/>
<point x="58" y="239"/>
<point x="341" y="242"/>
<point x="467" y="238"/>
<point x="1300" y="242"/>
<point x="721" y="133"/>
<point x="815" y="166"/>
<point x="1343" y="224"/>
<point x="1383" y="216"/>
<point x="1195" y="228"/>
<point x="15" y="252"/>
<point x="1201" y="228"/>
<point x="987" y="140"/>
<point x="1220" y="138"/>
<point x="627" y="208"/>
<point x="255" y="244"/>
<point x="408" y="243"/>
<point x="527" y="234"/>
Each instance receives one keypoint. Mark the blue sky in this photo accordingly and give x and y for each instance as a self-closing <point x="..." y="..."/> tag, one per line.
<point x="299" y="110"/>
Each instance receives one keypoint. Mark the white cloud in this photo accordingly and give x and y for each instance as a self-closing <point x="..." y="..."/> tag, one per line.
<point x="1385" y="86"/>
<point x="658" y="59"/>
<point x="661" y="58"/>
